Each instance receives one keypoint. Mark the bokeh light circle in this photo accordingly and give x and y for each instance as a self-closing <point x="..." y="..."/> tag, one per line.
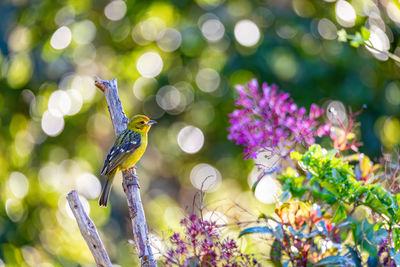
<point x="247" y="33"/>
<point x="267" y="190"/>
<point x="115" y="10"/>
<point x="190" y="139"/>
<point x="84" y="32"/>
<point x="390" y="132"/>
<point x="149" y="64"/>
<point x="59" y="103"/>
<point x="207" y="80"/>
<point x="76" y="101"/>
<point x="169" y="40"/>
<point x="213" y="30"/>
<point x="61" y="38"/>
<point x="208" y="4"/>
<point x="380" y="41"/>
<point x="392" y="93"/>
<point x="143" y="87"/>
<point x="88" y="185"/>
<point x="65" y="16"/>
<point x="345" y="13"/>
<point x="19" y="184"/>
<point x="205" y="177"/>
<point x="14" y="209"/>
<point x="151" y="108"/>
<point x="168" y="97"/>
<point x="327" y="29"/>
<point x="151" y="28"/>
<point x="336" y="111"/>
<point x="52" y="125"/>
<point x="393" y="11"/>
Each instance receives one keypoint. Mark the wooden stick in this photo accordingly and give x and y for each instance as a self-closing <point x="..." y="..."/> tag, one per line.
<point x="88" y="231"/>
<point x="130" y="181"/>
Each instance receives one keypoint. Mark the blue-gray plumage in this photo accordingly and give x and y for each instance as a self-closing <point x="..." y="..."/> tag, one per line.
<point x="127" y="142"/>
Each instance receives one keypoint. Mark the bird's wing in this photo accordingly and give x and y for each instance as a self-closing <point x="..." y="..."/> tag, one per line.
<point x="125" y="145"/>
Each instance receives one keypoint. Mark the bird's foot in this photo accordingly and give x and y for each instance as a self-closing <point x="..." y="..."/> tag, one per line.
<point x="133" y="182"/>
<point x="132" y="171"/>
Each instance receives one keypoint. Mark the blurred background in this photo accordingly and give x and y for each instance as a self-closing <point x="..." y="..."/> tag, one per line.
<point x="177" y="62"/>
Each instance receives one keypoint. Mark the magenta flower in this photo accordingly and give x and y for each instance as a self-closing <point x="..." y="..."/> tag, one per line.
<point x="270" y="121"/>
<point x="202" y="246"/>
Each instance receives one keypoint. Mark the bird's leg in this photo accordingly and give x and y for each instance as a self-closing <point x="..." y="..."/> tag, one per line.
<point x="133" y="178"/>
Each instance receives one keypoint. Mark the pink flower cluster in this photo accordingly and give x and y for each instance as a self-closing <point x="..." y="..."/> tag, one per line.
<point x="202" y="246"/>
<point x="270" y="121"/>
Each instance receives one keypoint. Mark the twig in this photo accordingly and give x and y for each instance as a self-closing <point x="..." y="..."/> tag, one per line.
<point x="130" y="181"/>
<point x="363" y="233"/>
<point x="386" y="53"/>
<point x="88" y="231"/>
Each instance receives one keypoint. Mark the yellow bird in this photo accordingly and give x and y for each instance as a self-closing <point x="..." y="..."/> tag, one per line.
<point x="126" y="152"/>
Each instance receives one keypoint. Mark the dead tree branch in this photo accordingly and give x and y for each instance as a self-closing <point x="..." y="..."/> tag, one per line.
<point x="88" y="231"/>
<point x="130" y="182"/>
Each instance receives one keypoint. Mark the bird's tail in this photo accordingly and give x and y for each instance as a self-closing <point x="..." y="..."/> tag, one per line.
<point x="105" y="193"/>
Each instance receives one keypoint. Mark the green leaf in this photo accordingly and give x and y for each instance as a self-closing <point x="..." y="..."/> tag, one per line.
<point x="256" y="230"/>
<point x="335" y="260"/>
<point x="296" y="155"/>
<point x="340" y="214"/>
<point x="342" y="35"/>
<point x="276" y="253"/>
<point x="372" y="262"/>
<point x="375" y="204"/>
<point x="378" y="225"/>
<point x="357" y="40"/>
<point x="364" y="231"/>
<point x="354" y="255"/>
<point x="396" y="238"/>
<point x="380" y="235"/>
<point x="365" y="33"/>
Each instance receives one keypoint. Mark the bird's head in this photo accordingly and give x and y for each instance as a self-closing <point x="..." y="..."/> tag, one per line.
<point x="140" y="123"/>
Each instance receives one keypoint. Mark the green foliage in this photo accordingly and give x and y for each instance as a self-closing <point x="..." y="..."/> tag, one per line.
<point x="330" y="181"/>
<point x="297" y="234"/>
<point x="340" y="214"/>
<point x="327" y="171"/>
<point x="357" y="39"/>
<point x="362" y="38"/>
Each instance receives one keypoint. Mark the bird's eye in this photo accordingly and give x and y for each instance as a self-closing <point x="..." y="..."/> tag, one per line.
<point x="142" y="122"/>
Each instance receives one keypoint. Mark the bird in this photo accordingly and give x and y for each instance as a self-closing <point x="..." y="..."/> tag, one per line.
<point x="126" y="152"/>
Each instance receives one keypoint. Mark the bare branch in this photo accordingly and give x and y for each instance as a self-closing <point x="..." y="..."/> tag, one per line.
<point x="110" y="90"/>
<point x="88" y="231"/>
<point x="130" y="181"/>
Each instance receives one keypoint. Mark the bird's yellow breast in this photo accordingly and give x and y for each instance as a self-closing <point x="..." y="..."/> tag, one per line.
<point x="135" y="156"/>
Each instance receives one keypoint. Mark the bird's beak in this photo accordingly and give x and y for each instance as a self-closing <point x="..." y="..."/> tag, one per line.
<point x="151" y="122"/>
